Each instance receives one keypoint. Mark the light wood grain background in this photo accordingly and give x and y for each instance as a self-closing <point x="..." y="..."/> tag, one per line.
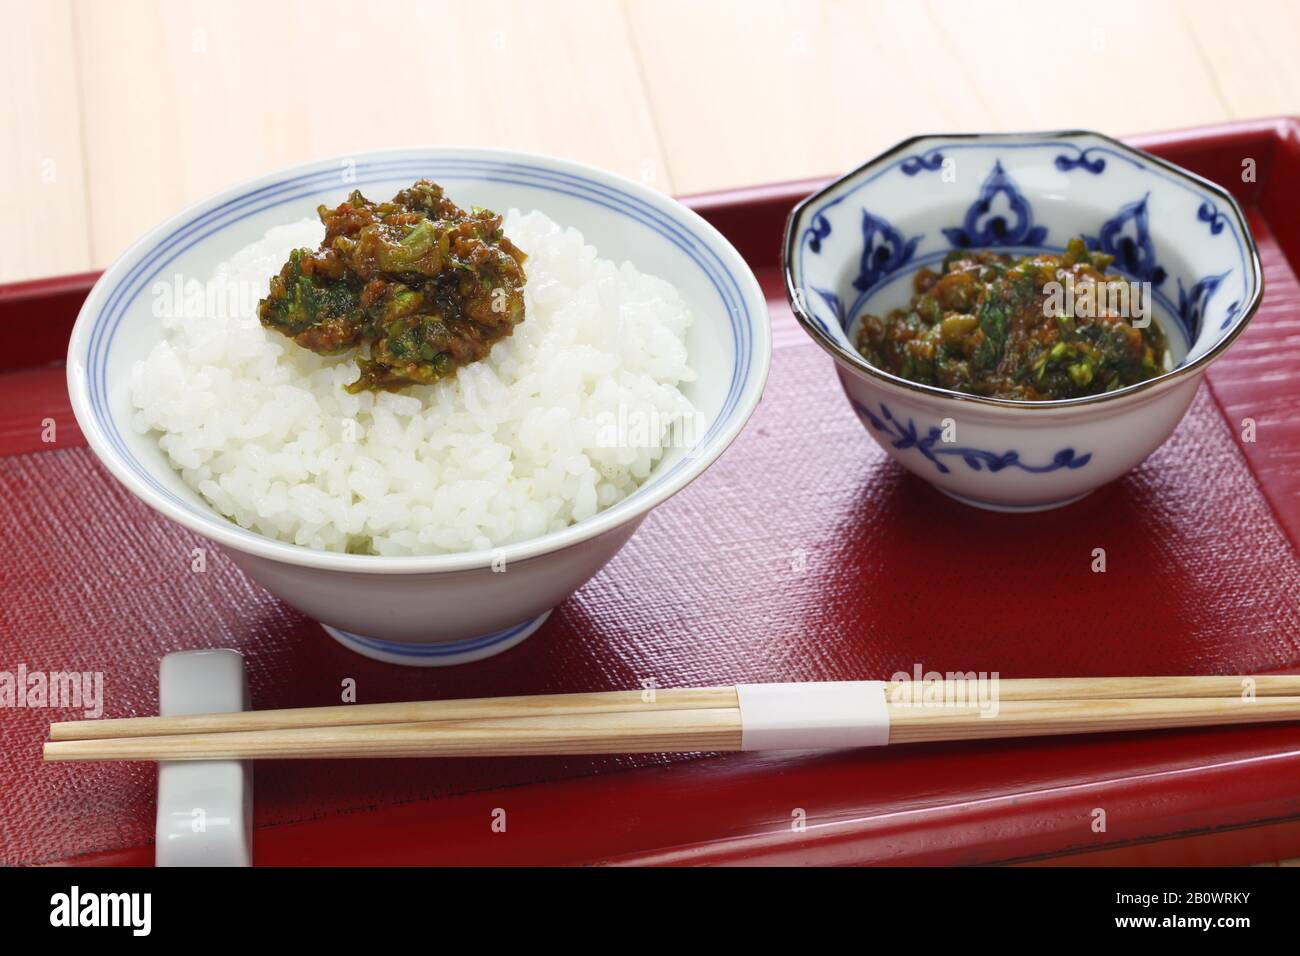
<point x="120" y="112"/>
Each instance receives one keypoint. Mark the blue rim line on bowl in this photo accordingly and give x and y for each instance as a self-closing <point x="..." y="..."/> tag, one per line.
<point x="490" y="168"/>
<point x="793" y="244"/>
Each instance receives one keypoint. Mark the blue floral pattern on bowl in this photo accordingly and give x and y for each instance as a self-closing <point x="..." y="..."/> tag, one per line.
<point x="884" y="252"/>
<point x="1135" y="255"/>
<point x="984" y="227"/>
<point x="931" y="445"/>
<point x="1081" y="160"/>
<point x="1131" y="206"/>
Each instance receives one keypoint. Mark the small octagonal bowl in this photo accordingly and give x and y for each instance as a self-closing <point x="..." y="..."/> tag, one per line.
<point x="853" y="247"/>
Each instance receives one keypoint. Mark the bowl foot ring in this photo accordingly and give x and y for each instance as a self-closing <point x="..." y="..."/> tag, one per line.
<point x="1014" y="509"/>
<point x="438" y="655"/>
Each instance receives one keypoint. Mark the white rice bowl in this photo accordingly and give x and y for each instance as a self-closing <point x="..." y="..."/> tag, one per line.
<point x="564" y="418"/>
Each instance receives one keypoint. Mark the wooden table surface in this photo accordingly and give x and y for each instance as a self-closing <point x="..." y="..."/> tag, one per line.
<point x="120" y="112"/>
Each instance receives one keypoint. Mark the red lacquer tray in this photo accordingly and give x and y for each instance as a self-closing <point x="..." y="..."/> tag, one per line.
<point x="804" y="554"/>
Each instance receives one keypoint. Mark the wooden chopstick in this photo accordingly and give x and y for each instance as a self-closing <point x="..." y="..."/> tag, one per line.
<point x="1128" y="688"/>
<point x="631" y="701"/>
<point x="478" y="708"/>
<point x="666" y="731"/>
<point x="1037" y="718"/>
<point x="628" y="732"/>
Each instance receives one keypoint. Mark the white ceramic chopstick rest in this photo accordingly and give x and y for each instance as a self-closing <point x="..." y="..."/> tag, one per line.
<point x="813" y="716"/>
<point x="205" y="808"/>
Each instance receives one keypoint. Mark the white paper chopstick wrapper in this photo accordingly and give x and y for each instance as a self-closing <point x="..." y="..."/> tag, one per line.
<point x="813" y="716"/>
<point x="205" y="808"/>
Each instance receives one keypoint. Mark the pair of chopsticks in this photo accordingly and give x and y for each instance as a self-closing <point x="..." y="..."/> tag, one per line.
<point x="678" y="720"/>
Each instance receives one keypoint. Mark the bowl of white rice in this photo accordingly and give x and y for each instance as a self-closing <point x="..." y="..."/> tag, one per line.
<point x="441" y="523"/>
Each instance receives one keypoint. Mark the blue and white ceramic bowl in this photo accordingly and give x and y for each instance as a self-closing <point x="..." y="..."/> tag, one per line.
<point x="853" y="247"/>
<point x="456" y="607"/>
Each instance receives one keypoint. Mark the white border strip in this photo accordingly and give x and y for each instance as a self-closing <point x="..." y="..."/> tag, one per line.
<point x="813" y="716"/>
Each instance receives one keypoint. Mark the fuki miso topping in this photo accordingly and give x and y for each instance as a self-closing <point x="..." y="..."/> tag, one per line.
<point x="987" y="325"/>
<point x="423" y="285"/>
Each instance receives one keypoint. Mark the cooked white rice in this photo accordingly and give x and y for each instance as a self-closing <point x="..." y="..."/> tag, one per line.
<point x="511" y="447"/>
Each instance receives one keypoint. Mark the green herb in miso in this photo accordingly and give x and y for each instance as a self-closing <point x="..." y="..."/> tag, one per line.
<point x="423" y="286"/>
<point x="989" y="325"/>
